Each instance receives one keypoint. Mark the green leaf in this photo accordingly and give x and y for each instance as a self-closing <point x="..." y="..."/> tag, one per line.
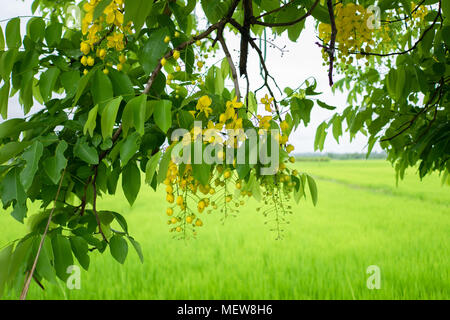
<point x="13" y="192"/>
<point x="162" y="113"/>
<point x="137" y="11"/>
<point x="119" y="248"/>
<point x="215" y="9"/>
<point x="5" y="260"/>
<point x="54" y="165"/>
<point x="320" y="136"/>
<point x="82" y="84"/>
<point x="80" y="251"/>
<point x="12" y="149"/>
<point x="138" y="248"/>
<point x="44" y="266"/>
<point x="62" y="252"/>
<point x="101" y="89"/>
<point x="7" y="61"/>
<point x="131" y="181"/>
<point x="337" y="128"/>
<point x="121" y="221"/>
<point x="2" y="48"/>
<point x="31" y="157"/>
<point x="225" y="68"/>
<point x="109" y="117"/>
<point x="4" y="99"/>
<point x="153" y="50"/>
<point x="47" y="82"/>
<point x="13" y="37"/>
<point x="312" y="189"/>
<point x="70" y="82"/>
<point x="53" y="34"/>
<point x="252" y="103"/>
<point x="36" y="29"/>
<point x="446" y="8"/>
<point x="129" y="147"/>
<point x="201" y="172"/>
<point x="134" y="115"/>
<point x="91" y="122"/>
<point x="85" y="152"/>
<point x="122" y="85"/>
<point x="301" y="109"/>
<point x="164" y="164"/>
<point x="150" y="168"/>
<point x="325" y="106"/>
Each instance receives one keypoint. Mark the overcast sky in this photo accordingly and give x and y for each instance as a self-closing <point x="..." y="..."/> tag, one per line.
<point x="301" y="60"/>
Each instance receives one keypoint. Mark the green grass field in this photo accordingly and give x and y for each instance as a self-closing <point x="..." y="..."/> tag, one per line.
<point x="361" y="219"/>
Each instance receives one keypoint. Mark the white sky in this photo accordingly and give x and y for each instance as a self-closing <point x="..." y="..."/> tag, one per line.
<point x="303" y="59"/>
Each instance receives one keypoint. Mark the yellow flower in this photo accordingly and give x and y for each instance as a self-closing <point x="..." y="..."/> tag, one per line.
<point x="84" y="61"/>
<point x="101" y="54"/>
<point x="204" y="104"/>
<point x="176" y="54"/>
<point x="167" y="39"/>
<point x="163" y="61"/>
<point x="284" y="126"/>
<point x="229" y="113"/>
<point x="290" y="148"/>
<point x="234" y="103"/>
<point x="90" y="61"/>
<point x="85" y="48"/>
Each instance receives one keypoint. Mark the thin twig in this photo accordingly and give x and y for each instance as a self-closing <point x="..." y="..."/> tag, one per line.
<point x="287" y="24"/>
<point x="26" y="287"/>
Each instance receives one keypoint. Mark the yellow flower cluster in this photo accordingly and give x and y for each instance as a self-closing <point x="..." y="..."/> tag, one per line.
<point x="267" y="103"/>
<point x="184" y="191"/>
<point x="108" y="26"/>
<point x="353" y="31"/>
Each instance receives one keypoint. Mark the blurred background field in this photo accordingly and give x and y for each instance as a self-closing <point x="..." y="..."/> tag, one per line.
<point x="361" y="219"/>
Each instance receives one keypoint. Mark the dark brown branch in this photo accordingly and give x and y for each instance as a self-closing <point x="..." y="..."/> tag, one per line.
<point x="26" y="287"/>
<point x="331" y="49"/>
<point x="267" y="75"/>
<point x="94" y="205"/>
<point x="287" y="24"/>
<point x="232" y="67"/>
<point x="227" y="18"/>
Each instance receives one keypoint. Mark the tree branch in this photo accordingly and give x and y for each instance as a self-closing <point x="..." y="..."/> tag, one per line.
<point x="331" y="49"/>
<point x="94" y="205"/>
<point x="232" y="67"/>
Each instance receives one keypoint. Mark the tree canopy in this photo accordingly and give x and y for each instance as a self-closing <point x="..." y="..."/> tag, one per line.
<point x="116" y="87"/>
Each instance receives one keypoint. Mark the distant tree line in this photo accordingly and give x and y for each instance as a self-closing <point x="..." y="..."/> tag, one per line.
<point x="315" y="156"/>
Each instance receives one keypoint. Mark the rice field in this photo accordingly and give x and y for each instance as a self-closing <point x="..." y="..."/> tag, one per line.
<point x="362" y="219"/>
